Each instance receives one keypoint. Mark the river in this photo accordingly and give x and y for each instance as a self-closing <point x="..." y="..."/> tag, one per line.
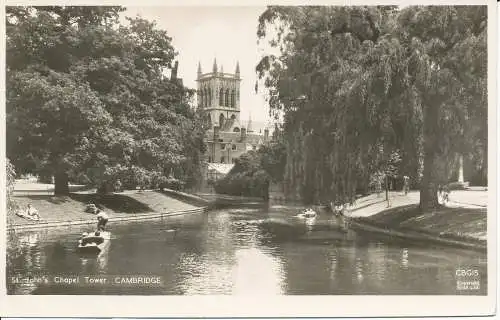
<point x="227" y="251"/>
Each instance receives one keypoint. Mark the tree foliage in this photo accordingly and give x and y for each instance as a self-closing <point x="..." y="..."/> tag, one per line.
<point x="87" y="96"/>
<point x="254" y="171"/>
<point x="356" y="84"/>
<point x="246" y="178"/>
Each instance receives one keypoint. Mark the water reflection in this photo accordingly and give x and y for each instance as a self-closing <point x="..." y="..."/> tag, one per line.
<point x="256" y="272"/>
<point x="359" y="270"/>
<point x="95" y="264"/>
<point x="226" y="252"/>
<point x="379" y="260"/>
<point x="333" y="265"/>
<point x="404" y="258"/>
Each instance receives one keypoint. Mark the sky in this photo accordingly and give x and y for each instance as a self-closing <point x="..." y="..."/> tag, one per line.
<point x="200" y="34"/>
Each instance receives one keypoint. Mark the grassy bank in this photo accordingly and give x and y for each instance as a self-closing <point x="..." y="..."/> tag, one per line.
<point x="459" y="224"/>
<point x="71" y="207"/>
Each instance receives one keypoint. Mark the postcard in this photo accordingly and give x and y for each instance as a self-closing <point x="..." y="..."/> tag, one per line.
<point x="249" y="160"/>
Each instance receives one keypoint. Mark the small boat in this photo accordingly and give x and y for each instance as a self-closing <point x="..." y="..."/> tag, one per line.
<point x="307" y="214"/>
<point x="92" y="243"/>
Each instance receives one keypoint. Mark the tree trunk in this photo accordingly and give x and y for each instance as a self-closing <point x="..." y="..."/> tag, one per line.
<point x="429" y="185"/>
<point x="61" y="185"/>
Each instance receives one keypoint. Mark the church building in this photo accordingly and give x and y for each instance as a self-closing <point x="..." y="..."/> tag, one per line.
<point x="227" y="137"/>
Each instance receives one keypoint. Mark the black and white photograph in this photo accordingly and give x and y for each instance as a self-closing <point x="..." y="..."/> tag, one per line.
<point x="264" y="150"/>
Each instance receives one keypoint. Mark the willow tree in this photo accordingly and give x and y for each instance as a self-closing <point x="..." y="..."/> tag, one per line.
<point x="356" y="83"/>
<point x="448" y="54"/>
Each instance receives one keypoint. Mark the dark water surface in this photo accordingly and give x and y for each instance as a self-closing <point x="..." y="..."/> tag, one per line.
<point x="228" y="252"/>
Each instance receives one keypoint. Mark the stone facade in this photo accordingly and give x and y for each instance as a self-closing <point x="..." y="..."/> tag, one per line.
<point x="227" y="137"/>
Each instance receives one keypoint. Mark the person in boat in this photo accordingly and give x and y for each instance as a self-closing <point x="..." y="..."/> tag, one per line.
<point x="32" y="212"/>
<point x="90" y="238"/>
<point x="309" y="213"/>
<point x="83" y="236"/>
<point x="102" y="219"/>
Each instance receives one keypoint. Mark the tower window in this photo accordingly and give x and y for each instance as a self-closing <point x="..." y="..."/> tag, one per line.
<point x="234" y="147"/>
<point x="227" y="98"/>
<point x="223" y="146"/>
<point x="233" y="100"/>
<point x="222" y="159"/>
<point x="221" y="97"/>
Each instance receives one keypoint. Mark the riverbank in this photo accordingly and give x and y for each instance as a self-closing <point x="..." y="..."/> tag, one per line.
<point x="457" y="224"/>
<point x="461" y="223"/>
<point x="68" y="210"/>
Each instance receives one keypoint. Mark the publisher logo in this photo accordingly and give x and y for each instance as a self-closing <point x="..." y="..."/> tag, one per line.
<point x="467" y="273"/>
<point x="468" y="279"/>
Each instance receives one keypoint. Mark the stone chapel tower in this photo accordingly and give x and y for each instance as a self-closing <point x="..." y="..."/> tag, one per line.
<point x="219" y="98"/>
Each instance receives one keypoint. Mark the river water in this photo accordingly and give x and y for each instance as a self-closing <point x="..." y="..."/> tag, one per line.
<point x="228" y="252"/>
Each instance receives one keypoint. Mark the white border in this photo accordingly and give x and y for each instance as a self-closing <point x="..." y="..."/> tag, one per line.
<point x="280" y="306"/>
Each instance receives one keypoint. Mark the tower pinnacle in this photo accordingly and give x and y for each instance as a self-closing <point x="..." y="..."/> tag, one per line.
<point x="237" y="73"/>
<point x="199" y="69"/>
<point x="214" y="68"/>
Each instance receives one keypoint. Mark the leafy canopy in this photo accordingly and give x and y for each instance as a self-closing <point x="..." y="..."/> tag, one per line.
<point x="356" y="84"/>
<point x="88" y="96"/>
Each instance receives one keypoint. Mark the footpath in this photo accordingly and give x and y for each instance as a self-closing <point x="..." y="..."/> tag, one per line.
<point x="124" y="206"/>
<point x="460" y="222"/>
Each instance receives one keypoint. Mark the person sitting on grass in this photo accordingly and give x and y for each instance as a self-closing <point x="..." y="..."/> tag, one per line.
<point x="32" y="212"/>
<point x="91" y="208"/>
<point x="102" y="219"/>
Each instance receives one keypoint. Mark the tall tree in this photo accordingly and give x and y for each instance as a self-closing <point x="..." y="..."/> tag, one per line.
<point x="352" y="79"/>
<point x="448" y="48"/>
<point x="87" y="95"/>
